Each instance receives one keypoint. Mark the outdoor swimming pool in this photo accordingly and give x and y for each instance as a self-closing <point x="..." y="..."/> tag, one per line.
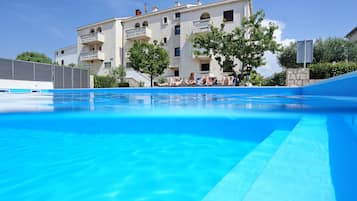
<point x="177" y="144"/>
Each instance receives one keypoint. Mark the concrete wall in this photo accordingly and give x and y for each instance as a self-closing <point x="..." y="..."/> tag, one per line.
<point x="21" y="84"/>
<point x="297" y="76"/>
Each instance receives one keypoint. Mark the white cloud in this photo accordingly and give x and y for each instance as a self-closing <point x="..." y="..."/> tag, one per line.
<point x="272" y="64"/>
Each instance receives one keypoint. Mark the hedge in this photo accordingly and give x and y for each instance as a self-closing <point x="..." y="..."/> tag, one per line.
<point x="104" y="82"/>
<point x="278" y="79"/>
<point x="327" y="70"/>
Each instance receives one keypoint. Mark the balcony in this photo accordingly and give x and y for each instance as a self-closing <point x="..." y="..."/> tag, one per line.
<point x="92" y="56"/>
<point x="200" y="57"/>
<point x="201" y="26"/>
<point x="92" y="38"/>
<point x="142" y="33"/>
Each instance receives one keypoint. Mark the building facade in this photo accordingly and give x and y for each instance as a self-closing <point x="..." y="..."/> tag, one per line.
<point x="67" y="55"/>
<point x="352" y="35"/>
<point x="105" y="45"/>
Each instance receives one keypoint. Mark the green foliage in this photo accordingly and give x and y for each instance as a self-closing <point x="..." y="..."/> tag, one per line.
<point x="162" y="79"/>
<point x="287" y="57"/>
<point x="149" y="58"/>
<point x="34" y="57"/>
<point x="256" y="79"/>
<point x="327" y="70"/>
<point x="104" y="81"/>
<point x="72" y="65"/>
<point x="247" y="43"/>
<point x="325" y="51"/>
<point x="119" y="73"/>
<point x="338" y="49"/>
<point x="278" y="79"/>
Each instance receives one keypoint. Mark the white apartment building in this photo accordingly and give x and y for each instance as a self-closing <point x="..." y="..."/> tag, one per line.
<point x="104" y="45"/>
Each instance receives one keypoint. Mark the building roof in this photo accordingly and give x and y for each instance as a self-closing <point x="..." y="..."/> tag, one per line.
<point x="183" y="8"/>
<point x="214" y="4"/>
<point x="74" y="46"/>
<point x="149" y="14"/>
<point x="351" y="32"/>
<point x="100" y="22"/>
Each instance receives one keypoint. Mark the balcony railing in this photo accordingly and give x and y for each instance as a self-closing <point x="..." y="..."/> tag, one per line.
<point x="92" y="38"/>
<point x="92" y="56"/>
<point x="138" y="33"/>
<point x="201" y="26"/>
<point x="200" y="56"/>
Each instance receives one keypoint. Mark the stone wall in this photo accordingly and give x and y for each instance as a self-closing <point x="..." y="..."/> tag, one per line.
<point x="297" y="76"/>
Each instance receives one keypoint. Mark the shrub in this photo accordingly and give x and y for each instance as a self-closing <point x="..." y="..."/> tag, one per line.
<point x="104" y="81"/>
<point x="327" y="70"/>
<point x="162" y="79"/>
<point x="278" y="79"/>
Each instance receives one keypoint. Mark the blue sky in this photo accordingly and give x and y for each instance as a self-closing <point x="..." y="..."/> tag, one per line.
<point x="45" y="25"/>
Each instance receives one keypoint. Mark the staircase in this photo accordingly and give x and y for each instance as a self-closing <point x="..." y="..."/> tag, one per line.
<point x="137" y="77"/>
<point x="287" y="166"/>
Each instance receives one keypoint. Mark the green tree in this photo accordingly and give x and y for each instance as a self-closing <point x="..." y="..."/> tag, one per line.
<point x="119" y="73"/>
<point x="325" y="51"/>
<point x="246" y="43"/>
<point x="338" y="50"/>
<point x="34" y="57"/>
<point x="287" y="57"/>
<point x="256" y="79"/>
<point x="149" y="58"/>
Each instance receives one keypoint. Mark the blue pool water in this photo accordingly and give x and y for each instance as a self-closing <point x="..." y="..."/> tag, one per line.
<point x="177" y="144"/>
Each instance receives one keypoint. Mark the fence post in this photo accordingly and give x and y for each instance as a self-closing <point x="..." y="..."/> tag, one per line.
<point x="88" y="78"/>
<point x="13" y="69"/>
<point x="34" y="71"/>
<point x="62" y="77"/>
<point x="80" y="79"/>
<point x="53" y="74"/>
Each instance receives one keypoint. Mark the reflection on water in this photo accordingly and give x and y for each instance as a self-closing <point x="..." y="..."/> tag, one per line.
<point x="113" y="101"/>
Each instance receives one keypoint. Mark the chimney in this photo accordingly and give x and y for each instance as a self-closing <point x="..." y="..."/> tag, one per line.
<point x="177" y="4"/>
<point x="137" y="12"/>
<point x="155" y="9"/>
<point x="199" y="2"/>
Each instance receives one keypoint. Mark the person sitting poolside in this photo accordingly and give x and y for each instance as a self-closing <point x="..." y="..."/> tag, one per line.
<point x="176" y="81"/>
<point x="191" y="81"/>
<point x="232" y="81"/>
<point x="203" y="80"/>
<point x="211" y="80"/>
<point x="225" y="81"/>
